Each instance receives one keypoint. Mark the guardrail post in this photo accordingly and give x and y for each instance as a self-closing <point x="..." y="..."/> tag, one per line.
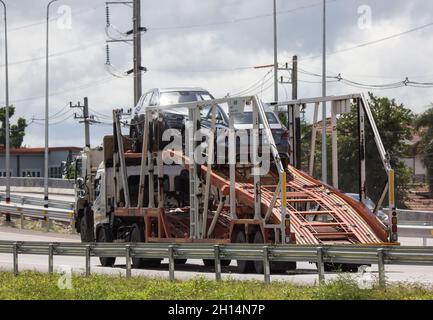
<point x="266" y="265"/>
<point x="128" y="261"/>
<point x="171" y="262"/>
<point x="424" y="242"/>
<point x="50" y="258"/>
<point x="320" y="265"/>
<point x="217" y="263"/>
<point x="15" y="258"/>
<point x="73" y="224"/>
<point x="22" y="218"/>
<point x="88" y="248"/>
<point x="381" y="267"/>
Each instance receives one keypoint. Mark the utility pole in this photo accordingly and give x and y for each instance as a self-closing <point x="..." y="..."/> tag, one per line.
<point x="295" y="78"/>
<point x="7" y="133"/>
<point x="298" y="159"/>
<point x="324" y="149"/>
<point x="46" y="108"/>
<point x="84" y="118"/>
<point x="275" y="54"/>
<point x="137" y="50"/>
<point x="135" y="33"/>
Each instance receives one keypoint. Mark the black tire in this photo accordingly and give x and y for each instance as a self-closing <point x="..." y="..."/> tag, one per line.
<point x="86" y="226"/>
<point x="276" y="266"/>
<point x="137" y="236"/>
<point x="211" y="262"/>
<point x="180" y="261"/>
<point x="341" y="267"/>
<point x="258" y="265"/>
<point x="243" y="266"/>
<point x="105" y="236"/>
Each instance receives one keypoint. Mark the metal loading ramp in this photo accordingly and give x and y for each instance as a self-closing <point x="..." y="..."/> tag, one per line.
<point x="319" y="214"/>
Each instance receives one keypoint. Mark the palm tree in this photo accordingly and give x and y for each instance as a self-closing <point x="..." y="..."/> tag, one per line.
<point x="424" y="124"/>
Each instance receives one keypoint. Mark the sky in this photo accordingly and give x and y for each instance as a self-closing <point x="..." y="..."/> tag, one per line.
<point x="212" y="44"/>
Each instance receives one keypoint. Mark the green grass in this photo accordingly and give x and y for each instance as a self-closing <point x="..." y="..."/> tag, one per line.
<point x="36" y="286"/>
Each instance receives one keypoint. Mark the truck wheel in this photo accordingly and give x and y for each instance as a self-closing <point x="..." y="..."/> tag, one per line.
<point x="243" y="266"/>
<point x="343" y="267"/>
<point x="86" y="226"/>
<point x="276" y="266"/>
<point x="105" y="236"/>
<point x="137" y="236"/>
<point x="258" y="265"/>
<point x="211" y="263"/>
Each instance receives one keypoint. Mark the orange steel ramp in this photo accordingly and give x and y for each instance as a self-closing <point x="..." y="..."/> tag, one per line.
<point x="319" y="214"/>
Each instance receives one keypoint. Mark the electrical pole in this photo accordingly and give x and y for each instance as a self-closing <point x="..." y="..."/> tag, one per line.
<point x="85" y="118"/>
<point x="137" y="50"/>
<point x="7" y="133"/>
<point x="135" y="33"/>
<point x="275" y="54"/>
<point x="298" y="159"/>
<point x="295" y="78"/>
<point x="324" y="149"/>
<point x="46" y="108"/>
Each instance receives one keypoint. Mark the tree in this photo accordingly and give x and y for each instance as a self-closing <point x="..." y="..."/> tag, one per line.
<point x="17" y="131"/>
<point x="424" y="124"/>
<point x="394" y="122"/>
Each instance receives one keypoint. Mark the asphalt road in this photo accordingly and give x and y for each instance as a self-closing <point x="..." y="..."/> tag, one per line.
<point x="305" y="274"/>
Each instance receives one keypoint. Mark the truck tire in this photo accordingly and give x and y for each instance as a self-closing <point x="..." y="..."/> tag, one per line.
<point x="137" y="236"/>
<point x="275" y="266"/>
<point x="243" y="266"/>
<point x="105" y="235"/>
<point x="258" y="265"/>
<point x="211" y="262"/>
<point x="86" y="226"/>
<point x="341" y="267"/>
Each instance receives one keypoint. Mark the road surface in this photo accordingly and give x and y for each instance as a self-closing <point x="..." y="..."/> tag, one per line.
<point x="305" y="274"/>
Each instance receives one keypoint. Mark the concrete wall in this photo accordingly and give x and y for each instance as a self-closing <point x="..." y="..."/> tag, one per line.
<point x="34" y="162"/>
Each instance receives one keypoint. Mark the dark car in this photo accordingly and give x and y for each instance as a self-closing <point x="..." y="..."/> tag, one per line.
<point x="171" y="118"/>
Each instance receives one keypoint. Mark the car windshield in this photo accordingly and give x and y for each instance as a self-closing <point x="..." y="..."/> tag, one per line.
<point x="368" y="202"/>
<point x="175" y="97"/>
<point x="247" y="118"/>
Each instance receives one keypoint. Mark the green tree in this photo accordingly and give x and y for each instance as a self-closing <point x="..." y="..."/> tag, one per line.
<point x="394" y="122"/>
<point x="17" y="131"/>
<point x="424" y="124"/>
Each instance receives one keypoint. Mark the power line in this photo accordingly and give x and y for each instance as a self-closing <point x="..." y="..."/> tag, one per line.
<point x="365" y="44"/>
<point x="237" y="20"/>
<point x="393" y="85"/>
<point x="31" y="25"/>
<point x="83" y="86"/>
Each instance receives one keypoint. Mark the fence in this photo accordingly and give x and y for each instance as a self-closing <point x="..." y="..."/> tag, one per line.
<point x="30" y="182"/>
<point x="362" y="255"/>
<point x="61" y="211"/>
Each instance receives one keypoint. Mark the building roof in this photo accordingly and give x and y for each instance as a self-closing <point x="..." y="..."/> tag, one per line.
<point x="40" y="150"/>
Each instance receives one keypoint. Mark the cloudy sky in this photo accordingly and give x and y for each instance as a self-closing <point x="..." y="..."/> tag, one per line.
<point x="207" y="43"/>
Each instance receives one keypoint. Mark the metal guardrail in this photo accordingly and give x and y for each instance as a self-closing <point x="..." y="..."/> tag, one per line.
<point x="61" y="211"/>
<point x="60" y="204"/>
<point x="362" y="255"/>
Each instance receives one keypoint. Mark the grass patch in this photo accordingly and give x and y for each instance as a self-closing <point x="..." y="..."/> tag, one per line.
<point x="37" y="286"/>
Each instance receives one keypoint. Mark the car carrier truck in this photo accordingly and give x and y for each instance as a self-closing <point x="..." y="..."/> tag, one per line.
<point x="162" y="195"/>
